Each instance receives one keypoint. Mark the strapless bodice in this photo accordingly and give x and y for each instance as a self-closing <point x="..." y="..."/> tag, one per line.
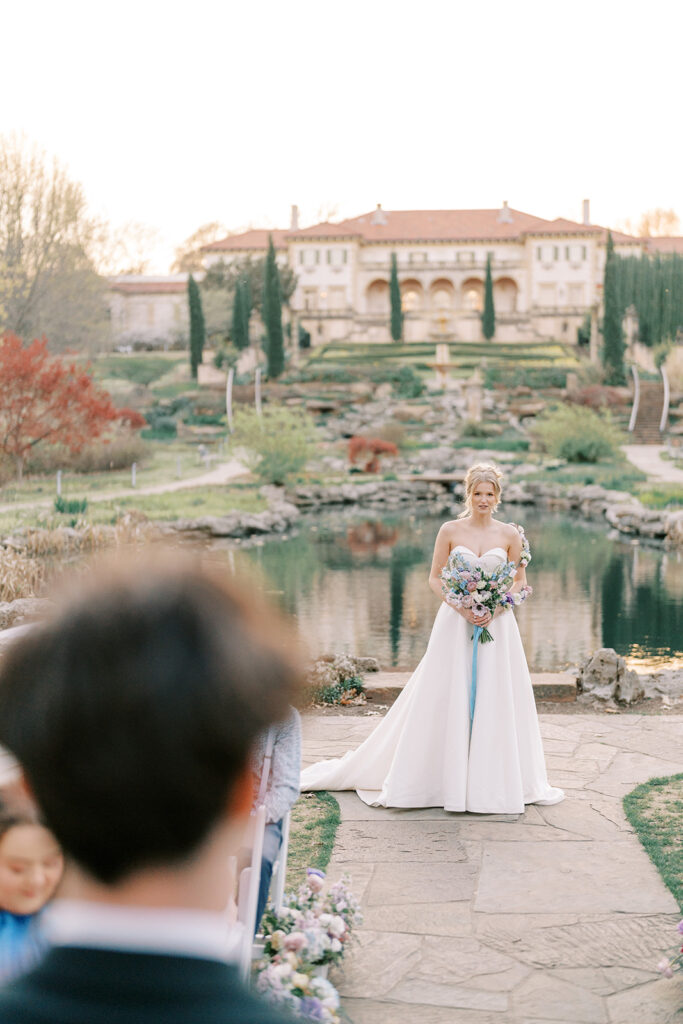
<point x="492" y="557"/>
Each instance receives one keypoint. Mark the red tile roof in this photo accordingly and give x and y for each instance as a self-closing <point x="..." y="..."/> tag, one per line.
<point x="664" y="244"/>
<point x="254" y="240"/>
<point x="325" y="230"/>
<point x="148" y="287"/>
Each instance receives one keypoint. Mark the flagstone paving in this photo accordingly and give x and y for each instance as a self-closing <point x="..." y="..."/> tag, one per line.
<point x="555" y="916"/>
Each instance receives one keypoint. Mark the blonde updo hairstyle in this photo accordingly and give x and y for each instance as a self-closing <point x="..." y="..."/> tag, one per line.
<point x="481" y="473"/>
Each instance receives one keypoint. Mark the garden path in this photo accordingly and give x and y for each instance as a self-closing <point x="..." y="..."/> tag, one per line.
<point x="647" y="458"/>
<point x="220" y="475"/>
<point x="556" y="916"/>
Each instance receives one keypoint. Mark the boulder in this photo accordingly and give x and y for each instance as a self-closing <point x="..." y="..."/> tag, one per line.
<point x="604" y="675"/>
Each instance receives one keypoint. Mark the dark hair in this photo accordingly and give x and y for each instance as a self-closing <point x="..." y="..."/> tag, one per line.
<point x="11" y="816"/>
<point x="133" y="711"/>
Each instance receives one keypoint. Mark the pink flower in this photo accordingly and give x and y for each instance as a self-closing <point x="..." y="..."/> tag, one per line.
<point x="471" y="587"/>
<point x="295" y="941"/>
<point x="664" y="967"/>
<point x="478" y="609"/>
<point x="467" y="601"/>
<point x="680" y="927"/>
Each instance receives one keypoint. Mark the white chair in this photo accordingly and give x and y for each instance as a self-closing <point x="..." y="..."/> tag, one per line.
<point x="277" y="887"/>
<point x="248" y="888"/>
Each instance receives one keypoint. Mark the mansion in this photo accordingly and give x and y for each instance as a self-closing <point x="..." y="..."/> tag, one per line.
<point x="547" y="275"/>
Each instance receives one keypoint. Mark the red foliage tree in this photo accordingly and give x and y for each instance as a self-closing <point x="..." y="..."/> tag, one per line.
<point x="45" y="400"/>
<point x="370" y="448"/>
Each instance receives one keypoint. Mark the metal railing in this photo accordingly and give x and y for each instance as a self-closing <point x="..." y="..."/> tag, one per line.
<point x="665" y="404"/>
<point x="636" y="399"/>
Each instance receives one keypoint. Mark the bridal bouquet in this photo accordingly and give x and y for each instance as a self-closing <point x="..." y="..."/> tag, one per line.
<point x="469" y="586"/>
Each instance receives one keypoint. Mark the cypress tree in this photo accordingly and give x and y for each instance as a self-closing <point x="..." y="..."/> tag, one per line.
<point x="246" y="308"/>
<point x="197" y="326"/>
<point x="237" y="328"/>
<point x="488" y="316"/>
<point x="395" y="297"/>
<point x="272" y="314"/>
<point x="612" y="334"/>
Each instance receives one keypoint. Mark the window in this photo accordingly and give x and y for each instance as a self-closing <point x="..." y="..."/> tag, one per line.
<point x="301" y="256"/>
<point x="583" y="252"/>
<point x="539" y="252"/>
<point x="329" y="256"/>
<point x="556" y="252"/>
<point x="317" y="256"/>
<point x="337" y="298"/>
<point x="345" y="256"/>
<point x="566" y="252"/>
<point x="310" y="298"/>
<point x="547" y="295"/>
<point x="575" y="296"/>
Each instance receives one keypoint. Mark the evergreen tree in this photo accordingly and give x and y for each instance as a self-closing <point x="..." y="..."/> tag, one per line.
<point x="612" y="334"/>
<point x="488" y="316"/>
<point x="247" y="305"/>
<point x="237" y="327"/>
<point x="395" y="296"/>
<point x="197" y="327"/>
<point x="272" y="315"/>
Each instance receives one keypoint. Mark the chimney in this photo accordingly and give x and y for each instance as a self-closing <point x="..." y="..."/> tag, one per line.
<point x="294" y="219"/>
<point x="378" y="217"/>
<point x="586" y="211"/>
<point x="505" y="214"/>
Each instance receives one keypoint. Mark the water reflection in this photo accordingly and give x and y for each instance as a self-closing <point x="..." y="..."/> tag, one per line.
<point x="359" y="584"/>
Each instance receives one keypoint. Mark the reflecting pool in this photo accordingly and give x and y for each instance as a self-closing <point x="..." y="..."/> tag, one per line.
<point x="357" y="583"/>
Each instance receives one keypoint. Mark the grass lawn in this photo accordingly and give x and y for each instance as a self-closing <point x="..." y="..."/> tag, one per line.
<point x="655" y="810"/>
<point x="656" y="495"/>
<point x="315" y="817"/>
<point x="618" y="475"/>
<point x="160" y="464"/>
<point x="190" y="502"/>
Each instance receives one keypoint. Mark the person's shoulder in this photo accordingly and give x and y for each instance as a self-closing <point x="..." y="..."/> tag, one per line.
<point x="508" y="529"/>
<point x="449" y="527"/>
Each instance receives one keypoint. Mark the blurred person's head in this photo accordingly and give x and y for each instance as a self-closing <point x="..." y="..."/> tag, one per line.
<point x="31" y="862"/>
<point x="133" y="710"/>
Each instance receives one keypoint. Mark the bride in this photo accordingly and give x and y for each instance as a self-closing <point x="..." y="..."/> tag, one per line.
<point x="425" y="752"/>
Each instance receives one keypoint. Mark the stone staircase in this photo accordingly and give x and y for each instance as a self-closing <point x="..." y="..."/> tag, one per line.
<point x="646" y="430"/>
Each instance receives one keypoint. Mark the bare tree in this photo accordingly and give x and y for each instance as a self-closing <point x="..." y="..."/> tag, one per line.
<point x="188" y="256"/>
<point x="49" y="284"/>
<point x="127" y="250"/>
<point x="653" y="224"/>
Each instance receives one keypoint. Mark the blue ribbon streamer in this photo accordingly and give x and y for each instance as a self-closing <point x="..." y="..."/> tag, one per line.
<point x="478" y="630"/>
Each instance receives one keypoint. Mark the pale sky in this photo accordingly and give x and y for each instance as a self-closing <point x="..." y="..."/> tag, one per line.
<point x="174" y="114"/>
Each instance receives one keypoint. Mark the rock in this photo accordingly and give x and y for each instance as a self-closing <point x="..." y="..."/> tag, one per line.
<point x="383" y="391"/>
<point x="24" y="609"/>
<point x="361" y="388"/>
<point x="604" y="675"/>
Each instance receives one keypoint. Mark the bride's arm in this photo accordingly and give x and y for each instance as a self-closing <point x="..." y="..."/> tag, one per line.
<point x="442" y="550"/>
<point x="514" y="554"/>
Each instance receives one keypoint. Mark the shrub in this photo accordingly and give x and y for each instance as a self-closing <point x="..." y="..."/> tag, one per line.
<point x="393" y="432"/>
<point x="336" y="682"/>
<point x="533" y="377"/>
<point x="278" y="444"/>
<point x="471" y="428"/>
<point x="370" y="448"/>
<point x="118" y="453"/>
<point x="73" y="506"/>
<point x="20" y="576"/>
<point x="577" y="434"/>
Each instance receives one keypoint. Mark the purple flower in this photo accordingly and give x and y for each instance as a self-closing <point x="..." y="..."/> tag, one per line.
<point x="680" y="927"/>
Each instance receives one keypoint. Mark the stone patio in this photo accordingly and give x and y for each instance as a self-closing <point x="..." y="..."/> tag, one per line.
<point x="556" y="916"/>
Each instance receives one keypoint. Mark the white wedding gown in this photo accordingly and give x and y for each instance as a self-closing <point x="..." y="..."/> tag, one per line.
<point x="421" y="753"/>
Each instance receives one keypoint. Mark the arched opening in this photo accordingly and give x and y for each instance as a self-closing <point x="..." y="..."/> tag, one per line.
<point x="412" y="296"/>
<point x="377" y="296"/>
<point x="473" y="294"/>
<point x="442" y="295"/>
<point x="505" y="293"/>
